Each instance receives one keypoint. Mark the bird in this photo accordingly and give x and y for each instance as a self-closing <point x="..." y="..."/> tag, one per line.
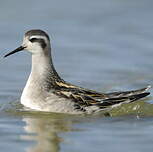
<point x="46" y="91"/>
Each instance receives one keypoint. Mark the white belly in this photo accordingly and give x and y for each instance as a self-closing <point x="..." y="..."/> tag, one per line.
<point x="47" y="101"/>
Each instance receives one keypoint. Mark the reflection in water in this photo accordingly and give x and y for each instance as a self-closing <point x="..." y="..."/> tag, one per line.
<point x="45" y="131"/>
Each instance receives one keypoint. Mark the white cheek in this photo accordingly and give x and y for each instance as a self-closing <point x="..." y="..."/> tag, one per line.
<point x="34" y="48"/>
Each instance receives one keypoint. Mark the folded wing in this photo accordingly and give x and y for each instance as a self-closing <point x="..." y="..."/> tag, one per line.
<point x="87" y="97"/>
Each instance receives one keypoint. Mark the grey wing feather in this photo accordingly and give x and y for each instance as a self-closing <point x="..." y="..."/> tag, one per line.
<point x="127" y="93"/>
<point x="123" y="97"/>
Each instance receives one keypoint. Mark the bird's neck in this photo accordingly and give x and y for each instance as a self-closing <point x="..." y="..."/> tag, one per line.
<point x="43" y="71"/>
<point x="43" y="79"/>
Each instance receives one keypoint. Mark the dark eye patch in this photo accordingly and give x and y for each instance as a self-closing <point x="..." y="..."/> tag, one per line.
<point x="33" y="39"/>
<point x="41" y="41"/>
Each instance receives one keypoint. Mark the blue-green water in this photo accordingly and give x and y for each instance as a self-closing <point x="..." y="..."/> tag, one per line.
<point x="106" y="45"/>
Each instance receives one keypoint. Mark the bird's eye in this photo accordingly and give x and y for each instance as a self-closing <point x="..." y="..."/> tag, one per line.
<point x="33" y="39"/>
<point x="40" y="41"/>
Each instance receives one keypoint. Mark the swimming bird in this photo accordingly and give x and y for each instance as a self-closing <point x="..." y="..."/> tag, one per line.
<point x="46" y="91"/>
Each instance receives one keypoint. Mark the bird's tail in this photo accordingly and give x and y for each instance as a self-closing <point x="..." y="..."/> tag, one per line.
<point x="124" y="97"/>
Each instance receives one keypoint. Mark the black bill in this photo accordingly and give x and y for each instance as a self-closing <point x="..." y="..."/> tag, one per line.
<point x="16" y="50"/>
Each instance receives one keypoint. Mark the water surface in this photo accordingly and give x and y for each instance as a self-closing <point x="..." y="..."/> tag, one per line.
<point x="104" y="45"/>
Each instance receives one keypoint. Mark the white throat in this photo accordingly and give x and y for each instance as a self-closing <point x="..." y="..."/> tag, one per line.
<point x="39" y="79"/>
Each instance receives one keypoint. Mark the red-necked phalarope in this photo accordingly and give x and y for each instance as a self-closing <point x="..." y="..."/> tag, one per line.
<point x="46" y="91"/>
